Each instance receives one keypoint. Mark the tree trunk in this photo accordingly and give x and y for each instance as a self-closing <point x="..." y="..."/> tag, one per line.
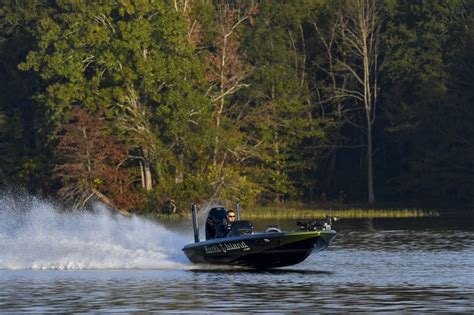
<point x="370" y="178"/>
<point x="108" y="202"/>
<point x="148" y="180"/>
<point x="142" y="174"/>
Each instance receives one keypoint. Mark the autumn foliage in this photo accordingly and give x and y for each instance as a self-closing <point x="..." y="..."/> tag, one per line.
<point x="91" y="163"/>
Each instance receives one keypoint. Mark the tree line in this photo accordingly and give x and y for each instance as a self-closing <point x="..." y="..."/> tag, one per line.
<point x="151" y="105"/>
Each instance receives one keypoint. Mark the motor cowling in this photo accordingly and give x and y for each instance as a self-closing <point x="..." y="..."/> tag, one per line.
<point x="216" y="223"/>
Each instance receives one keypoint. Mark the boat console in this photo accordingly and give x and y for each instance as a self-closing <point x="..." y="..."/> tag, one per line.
<point x="239" y="228"/>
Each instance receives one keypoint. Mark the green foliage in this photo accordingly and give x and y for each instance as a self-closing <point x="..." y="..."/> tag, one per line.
<point x="283" y="113"/>
<point x="153" y="71"/>
<point x="132" y="61"/>
<point x="427" y="118"/>
<point x="23" y="156"/>
<point x="231" y="185"/>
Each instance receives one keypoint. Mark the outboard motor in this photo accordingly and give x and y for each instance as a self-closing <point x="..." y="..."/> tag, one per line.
<point x="216" y="223"/>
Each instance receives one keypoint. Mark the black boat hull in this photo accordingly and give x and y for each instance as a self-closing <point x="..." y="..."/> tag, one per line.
<point x="262" y="250"/>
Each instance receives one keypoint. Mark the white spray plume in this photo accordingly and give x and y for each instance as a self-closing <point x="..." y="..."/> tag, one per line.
<point x="35" y="234"/>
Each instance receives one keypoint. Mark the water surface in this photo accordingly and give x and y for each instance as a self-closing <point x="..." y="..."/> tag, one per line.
<point x="101" y="263"/>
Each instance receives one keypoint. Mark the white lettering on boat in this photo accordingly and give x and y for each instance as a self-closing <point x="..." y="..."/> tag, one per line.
<point x="225" y="247"/>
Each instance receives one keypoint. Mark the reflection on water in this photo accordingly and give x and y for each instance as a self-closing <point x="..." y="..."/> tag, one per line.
<point x="374" y="265"/>
<point x="277" y="271"/>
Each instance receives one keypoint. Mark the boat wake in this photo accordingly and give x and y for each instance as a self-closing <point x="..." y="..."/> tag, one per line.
<point x="35" y="234"/>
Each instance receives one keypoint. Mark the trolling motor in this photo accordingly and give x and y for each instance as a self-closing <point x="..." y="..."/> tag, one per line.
<point x="316" y="225"/>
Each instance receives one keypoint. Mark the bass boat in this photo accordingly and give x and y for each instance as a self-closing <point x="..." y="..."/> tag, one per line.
<point x="238" y="244"/>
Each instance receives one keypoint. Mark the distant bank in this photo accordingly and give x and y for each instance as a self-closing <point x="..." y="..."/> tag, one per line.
<point x="295" y="213"/>
<point x="280" y="212"/>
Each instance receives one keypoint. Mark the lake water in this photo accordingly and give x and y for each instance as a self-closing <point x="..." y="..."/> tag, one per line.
<point x="86" y="262"/>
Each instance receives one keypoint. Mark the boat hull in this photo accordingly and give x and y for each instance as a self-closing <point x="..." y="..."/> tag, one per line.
<point x="262" y="250"/>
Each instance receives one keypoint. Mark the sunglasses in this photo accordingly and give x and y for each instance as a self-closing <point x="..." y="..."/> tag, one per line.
<point x="231" y="216"/>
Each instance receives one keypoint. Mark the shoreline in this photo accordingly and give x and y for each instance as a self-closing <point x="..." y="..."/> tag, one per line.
<point x="278" y="212"/>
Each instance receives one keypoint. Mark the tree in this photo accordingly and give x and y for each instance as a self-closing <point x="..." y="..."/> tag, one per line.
<point x="91" y="163"/>
<point x="361" y="27"/>
<point x="24" y="157"/>
<point x="132" y="61"/>
<point x="354" y="68"/>
<point x="217" y="32"/>
<point x="423" y="56"/>
<point x="282" y="122"/>
<point x="330" y="86"/>
<point x="227" y="68"/>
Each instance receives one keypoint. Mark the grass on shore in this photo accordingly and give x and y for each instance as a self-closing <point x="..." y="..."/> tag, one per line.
<point x="294" y="213"/>
<point x="274" y="212"/>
